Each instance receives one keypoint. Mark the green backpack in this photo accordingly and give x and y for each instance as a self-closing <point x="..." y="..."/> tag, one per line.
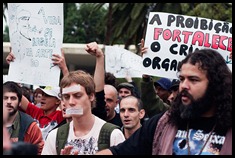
<point x="103" y="140"/>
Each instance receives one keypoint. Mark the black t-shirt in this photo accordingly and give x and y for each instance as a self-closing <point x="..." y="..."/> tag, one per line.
<point x="116" y="120"/>
<point x="99" y="109"/>
<point x="140" y="143"/>
<point x="199" y="132"/>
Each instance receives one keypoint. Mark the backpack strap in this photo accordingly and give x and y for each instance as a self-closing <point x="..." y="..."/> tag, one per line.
<point x="25" y="122"/>
<point x="103" y="140"/>
<point x="105" y="134"/>
<point x="61" y="137"/>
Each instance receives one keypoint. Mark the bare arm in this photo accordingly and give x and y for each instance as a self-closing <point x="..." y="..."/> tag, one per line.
<point x="24" y="103"/>
<point x="143" y="50"/>
<point x="128" y="77"/>
<point x="93" y="49"/>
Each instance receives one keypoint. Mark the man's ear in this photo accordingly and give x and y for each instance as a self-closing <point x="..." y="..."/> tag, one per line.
<point x="58" y="102"/>
<point x="92" y="97"/>
<point x="142" y="113"/>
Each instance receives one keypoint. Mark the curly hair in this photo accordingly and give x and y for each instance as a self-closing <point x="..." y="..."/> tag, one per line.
<point x="220" y="84"/>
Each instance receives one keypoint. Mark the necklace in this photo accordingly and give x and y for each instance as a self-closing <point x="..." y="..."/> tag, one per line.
<point x="187" y="139"/>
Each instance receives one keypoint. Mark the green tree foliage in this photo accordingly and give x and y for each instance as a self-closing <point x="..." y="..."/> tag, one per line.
<point x="6" y="37"/>
<point x="81" y="25"/>
<point x="217" y="11"/>
<point x="4" y="8"/>
<point x="6" y="29"/>
<point x="125" y="23"/>
<point x="130" y="19"/>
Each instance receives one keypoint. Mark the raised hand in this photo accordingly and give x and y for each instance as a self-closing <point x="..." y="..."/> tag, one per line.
<point x="10" y="57"/>
<point x="93" y="49"/>
<point x="143" y="49"/>
<point x="60" y="61"/>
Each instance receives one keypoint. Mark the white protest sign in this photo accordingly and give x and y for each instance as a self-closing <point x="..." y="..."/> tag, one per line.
<point x="170" y="37"/>
<point x="36" y="32"/>
<point x="119" y="62"/>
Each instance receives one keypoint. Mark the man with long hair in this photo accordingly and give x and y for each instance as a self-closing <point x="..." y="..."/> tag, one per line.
<point x="199" y="121"/>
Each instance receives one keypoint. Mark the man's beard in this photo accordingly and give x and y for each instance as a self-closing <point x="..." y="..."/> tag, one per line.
<point x="196" y="108"/>
<point x="12" y="113"/>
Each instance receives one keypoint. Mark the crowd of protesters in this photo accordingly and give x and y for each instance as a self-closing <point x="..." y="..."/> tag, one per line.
<point x="161" y="117"/>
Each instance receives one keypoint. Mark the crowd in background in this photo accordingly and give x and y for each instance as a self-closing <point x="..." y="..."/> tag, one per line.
<point x="160" y="117"/>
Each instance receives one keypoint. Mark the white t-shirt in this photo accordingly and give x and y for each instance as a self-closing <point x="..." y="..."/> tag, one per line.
<point x="87" y="144"/>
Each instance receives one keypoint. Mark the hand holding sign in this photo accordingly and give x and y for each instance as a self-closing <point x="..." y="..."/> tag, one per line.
<point x="36" y="32"/>
<point x="10" y="57"/>
<point x="143" y="49"/>
<point x="60" y="61"/>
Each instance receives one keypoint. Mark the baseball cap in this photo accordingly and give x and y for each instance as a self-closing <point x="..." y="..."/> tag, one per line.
<point x="175" y="83"/>
<point x="165" y="83"/>
<point x="125" y="85"/>
<point x="52" y="91"/>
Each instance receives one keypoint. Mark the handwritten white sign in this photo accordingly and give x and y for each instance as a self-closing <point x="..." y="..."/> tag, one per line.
<point x="170" y="37"/>
<point x="36" y="32"/>
<point x="119" y="62"/>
